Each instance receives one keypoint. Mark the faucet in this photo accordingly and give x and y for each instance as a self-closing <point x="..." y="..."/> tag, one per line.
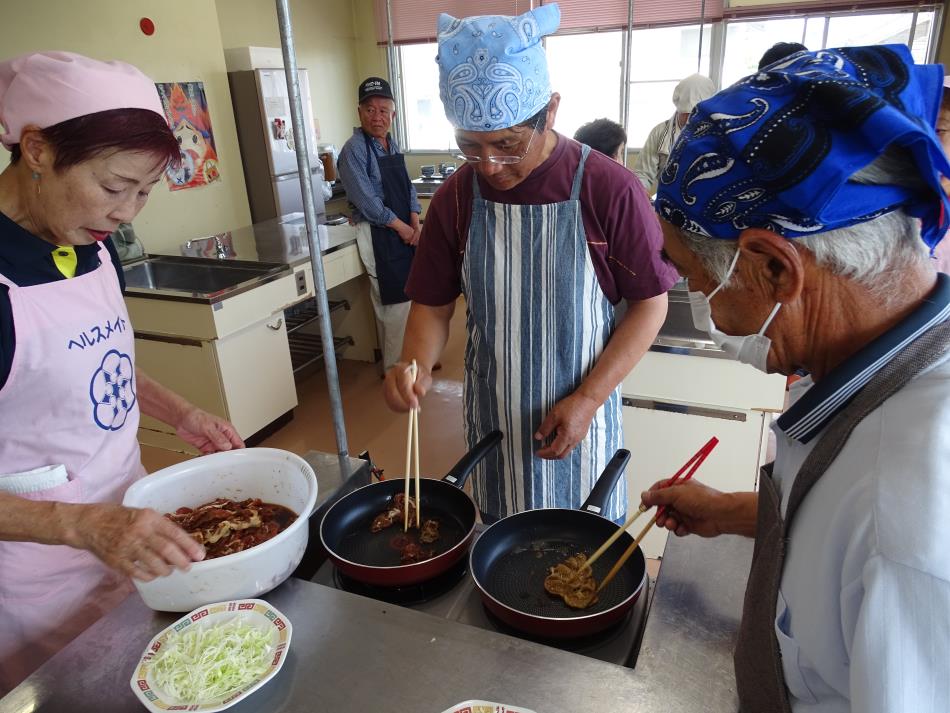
<point x="220" y="251"/>
<point x="199" y="247"/>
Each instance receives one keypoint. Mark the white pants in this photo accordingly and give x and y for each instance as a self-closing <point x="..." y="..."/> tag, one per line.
<point x="390" y="319"/>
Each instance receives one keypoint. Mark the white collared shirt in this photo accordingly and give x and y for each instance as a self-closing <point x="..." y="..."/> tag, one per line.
<point x="863" y="619"/>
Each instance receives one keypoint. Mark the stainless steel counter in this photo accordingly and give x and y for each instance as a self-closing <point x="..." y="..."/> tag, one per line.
<point x="265" y="251"/>
<point x="284" y="240"/>
<point x="352" y="654"/>
<point x="426" y="187"/>
<point x="678" y="335"/>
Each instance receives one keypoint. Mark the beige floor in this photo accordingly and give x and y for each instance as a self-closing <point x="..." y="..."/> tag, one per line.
<point x="370" y="425"/>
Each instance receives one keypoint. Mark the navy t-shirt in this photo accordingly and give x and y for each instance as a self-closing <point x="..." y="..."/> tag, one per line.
<point x="27" y="260"/>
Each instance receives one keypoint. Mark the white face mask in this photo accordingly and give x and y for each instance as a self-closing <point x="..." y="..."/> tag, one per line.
<point x="752" y="349"/>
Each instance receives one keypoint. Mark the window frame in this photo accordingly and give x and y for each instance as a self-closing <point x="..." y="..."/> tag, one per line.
<point x="716" y="32"/>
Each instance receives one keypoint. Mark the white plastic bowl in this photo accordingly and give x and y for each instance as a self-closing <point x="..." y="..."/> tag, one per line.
<point x="274" y="476"/>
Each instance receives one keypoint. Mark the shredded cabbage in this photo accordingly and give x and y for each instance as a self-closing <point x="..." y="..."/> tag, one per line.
<point x="200" y="664"/>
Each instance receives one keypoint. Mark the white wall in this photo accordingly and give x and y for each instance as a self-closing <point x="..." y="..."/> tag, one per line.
<point x="185" y="47"/>
<point x="325" y="42"/>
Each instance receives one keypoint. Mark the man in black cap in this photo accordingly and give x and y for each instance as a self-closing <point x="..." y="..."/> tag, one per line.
<point x="384" y="208"/>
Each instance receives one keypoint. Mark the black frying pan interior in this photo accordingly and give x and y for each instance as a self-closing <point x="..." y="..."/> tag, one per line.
<point x="347" y="528"/>
<point x="512" y="562"/>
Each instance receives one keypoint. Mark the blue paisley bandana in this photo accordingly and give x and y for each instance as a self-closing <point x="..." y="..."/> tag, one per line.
<point x="493" y="73"/>
<point x="776" y="149"/>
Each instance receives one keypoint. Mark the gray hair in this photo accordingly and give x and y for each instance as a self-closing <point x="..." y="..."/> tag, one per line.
<point x="873" y="253"/>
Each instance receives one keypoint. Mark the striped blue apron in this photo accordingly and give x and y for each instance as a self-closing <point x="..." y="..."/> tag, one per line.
<point x="537" y="322"/>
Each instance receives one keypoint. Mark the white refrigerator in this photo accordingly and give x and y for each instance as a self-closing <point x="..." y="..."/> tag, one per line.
<point x="262" y="114"/>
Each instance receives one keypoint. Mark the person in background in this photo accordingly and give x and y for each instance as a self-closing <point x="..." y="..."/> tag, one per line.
<point x="88" y="141"/>
<point x="780" y="50"/>
<point x="653" y="157"/>
<point x="605" y="136"/>
<point x="941" y="253"/>
<point x="543" y="237"/>
<point x="385" y="210"/>
<point x="806" y="243"/>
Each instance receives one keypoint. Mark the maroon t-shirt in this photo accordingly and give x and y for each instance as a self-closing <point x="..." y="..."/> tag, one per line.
<point x="623" y="234"/>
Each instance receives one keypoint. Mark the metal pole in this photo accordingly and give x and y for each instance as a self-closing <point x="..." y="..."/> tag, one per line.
<point x="393" y="69"/>
<point x="310" y="213"/>
<point x="625" y="73"/>
<point x="702" y="22"/>
<point x="389" y="41"/>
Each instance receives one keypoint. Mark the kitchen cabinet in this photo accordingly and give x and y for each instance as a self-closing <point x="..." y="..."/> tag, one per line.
<point x="245" y="377"/>
<point x="673" y="403"/>
<point x="425" y="189"/>
<point x="230" y="357"/>
<point x="236" y="352"/>
<point x="424" y="205"/>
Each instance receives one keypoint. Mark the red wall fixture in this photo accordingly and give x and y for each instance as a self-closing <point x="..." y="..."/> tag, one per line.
<point x="147" y="26"/>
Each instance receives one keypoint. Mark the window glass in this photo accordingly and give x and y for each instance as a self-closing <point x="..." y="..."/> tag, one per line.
<point x="746" y="42"/>
<point x="427" y="129"/>
<point x="586" y="95"/>
<point x="652" y="81"/>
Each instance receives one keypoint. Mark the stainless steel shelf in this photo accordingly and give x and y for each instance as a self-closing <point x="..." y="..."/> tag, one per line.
<point x="306" y="312"/>
<point x="307" y="349"/>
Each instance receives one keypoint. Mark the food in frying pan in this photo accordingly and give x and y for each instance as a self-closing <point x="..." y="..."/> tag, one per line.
<point x="226" y="526"/>
<point x="573" y="581"/>
<point x="413" y="552"/>
<point x="411" y="547"/>
<point x="394" y="513"/>
<point x="429" y="532"/>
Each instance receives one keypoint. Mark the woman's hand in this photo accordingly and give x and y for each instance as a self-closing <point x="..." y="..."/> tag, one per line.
<point x="696" y="509"/>
<point x="399" y="390"/>
<point x="139" y="543"/>
<point x="206" y="432"/>
<point x="569" y="420"/>
<point x="199" y="428"/>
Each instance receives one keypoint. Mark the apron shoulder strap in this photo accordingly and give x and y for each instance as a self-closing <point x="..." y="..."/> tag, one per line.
<point x="914" y="359"/>
<point x="579" y="174"/>
<point x="370" y="153"/>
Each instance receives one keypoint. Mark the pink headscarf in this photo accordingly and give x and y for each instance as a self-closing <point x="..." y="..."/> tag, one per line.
<point x="46" y="88"/>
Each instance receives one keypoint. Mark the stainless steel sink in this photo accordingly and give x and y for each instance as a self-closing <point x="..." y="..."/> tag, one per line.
<point x="197" y="279"/>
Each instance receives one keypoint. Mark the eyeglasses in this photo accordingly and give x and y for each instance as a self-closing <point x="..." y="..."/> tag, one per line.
<point x="503" y="158"/>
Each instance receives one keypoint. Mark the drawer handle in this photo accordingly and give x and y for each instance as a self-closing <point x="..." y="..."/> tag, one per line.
<point x="275" y="327"/>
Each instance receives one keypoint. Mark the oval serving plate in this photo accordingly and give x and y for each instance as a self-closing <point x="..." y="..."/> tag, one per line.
<point x="255" y="612"/>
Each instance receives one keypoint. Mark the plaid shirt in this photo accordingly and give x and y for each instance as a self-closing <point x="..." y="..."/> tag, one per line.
<point x="364" y="188"/>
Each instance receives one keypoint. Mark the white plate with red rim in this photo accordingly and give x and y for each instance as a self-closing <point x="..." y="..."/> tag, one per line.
<point x="254" y="612"/>
<point x="485" y="707"/>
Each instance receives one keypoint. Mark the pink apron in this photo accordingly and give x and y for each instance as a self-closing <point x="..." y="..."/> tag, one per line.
<point x="70" y="399"/>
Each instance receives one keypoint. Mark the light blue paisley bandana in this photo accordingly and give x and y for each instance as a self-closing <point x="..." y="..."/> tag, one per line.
<point x="776" y="149"/>
<point x="493" y="73"/>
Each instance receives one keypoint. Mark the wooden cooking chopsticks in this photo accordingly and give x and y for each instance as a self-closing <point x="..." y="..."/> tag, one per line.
<point x="681" y="476"/>
<point x="412" y="456"/>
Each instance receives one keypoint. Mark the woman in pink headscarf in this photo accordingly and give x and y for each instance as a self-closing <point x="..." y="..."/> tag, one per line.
<point x="88" y="142"/>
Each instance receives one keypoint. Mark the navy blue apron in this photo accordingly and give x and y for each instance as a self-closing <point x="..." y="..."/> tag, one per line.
<point x="393" y="256"/>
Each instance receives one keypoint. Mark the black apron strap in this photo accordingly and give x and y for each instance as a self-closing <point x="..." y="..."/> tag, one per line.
<point x="393" y="256"/>
<point x="758" y="661"/>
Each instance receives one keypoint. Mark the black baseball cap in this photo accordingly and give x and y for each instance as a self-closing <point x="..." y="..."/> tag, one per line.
<point x="375" y="87"/>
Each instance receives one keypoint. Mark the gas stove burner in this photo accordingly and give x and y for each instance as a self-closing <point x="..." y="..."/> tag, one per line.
<point x="405" y="596"/>
<point x="578" y="644"/>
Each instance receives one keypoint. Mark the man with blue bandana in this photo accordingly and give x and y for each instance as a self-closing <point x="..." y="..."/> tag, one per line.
<point x="543" y="237"/>
<point x="802" y="204"/>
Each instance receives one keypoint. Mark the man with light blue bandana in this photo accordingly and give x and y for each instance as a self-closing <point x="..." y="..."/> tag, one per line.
<point x="802" y="204"/>
<point x="543" y="237"/>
